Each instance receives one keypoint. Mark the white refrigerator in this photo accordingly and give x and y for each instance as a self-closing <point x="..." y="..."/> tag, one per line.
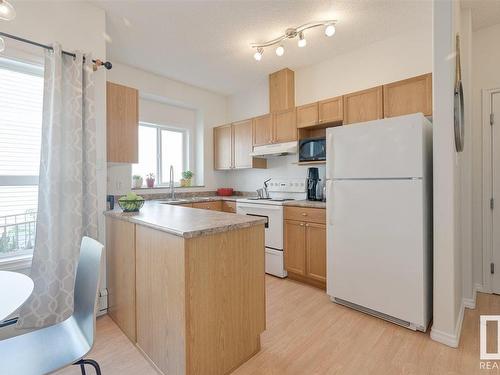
<point x="379" y="216"/>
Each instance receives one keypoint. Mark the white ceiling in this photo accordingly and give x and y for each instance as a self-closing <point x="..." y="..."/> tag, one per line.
<point x="206" y="43"/>
<point x="485" y="13"/>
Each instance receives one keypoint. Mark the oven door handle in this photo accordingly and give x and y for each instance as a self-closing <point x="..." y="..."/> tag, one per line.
<point x="260" y="207"/>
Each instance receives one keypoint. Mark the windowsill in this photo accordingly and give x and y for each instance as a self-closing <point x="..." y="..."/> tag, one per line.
<point x="168" y="187"/>
<point x="16" y="263"/>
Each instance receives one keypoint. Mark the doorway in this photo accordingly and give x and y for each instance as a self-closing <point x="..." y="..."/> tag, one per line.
<point x="491" y="188"/>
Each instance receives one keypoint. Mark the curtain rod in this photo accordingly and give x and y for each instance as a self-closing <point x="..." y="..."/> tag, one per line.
<point x="96" y="62"/>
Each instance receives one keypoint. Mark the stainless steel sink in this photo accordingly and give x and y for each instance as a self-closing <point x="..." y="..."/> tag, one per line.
<point x="173" y="201"/>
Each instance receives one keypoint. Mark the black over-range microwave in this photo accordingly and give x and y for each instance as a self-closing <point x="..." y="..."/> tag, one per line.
<point x="312" y="149"/>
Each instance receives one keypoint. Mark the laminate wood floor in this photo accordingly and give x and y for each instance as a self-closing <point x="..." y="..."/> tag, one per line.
<point x="308" y="334"/>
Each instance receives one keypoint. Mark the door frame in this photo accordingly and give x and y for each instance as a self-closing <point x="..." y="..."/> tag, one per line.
<point x="487" y="217"/>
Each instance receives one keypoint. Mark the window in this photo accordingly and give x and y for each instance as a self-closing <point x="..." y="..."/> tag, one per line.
<point x="159" y="148"/>
<point x="21" y="93"/>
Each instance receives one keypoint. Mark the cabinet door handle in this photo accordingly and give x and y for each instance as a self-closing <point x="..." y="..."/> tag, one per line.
<point x="304" y="214"/>
<point x="301" y="224"/>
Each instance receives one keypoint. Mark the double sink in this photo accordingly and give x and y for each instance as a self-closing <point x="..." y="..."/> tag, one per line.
<point x="184" y="200"/>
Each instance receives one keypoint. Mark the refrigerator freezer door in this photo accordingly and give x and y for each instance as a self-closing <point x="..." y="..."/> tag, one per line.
<point x="388" y="148"/>
<point x="376" y="251"/>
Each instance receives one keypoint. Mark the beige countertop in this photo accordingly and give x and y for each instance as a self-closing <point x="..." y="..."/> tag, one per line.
<point x="214" y="198"/>
<point x="184" y="221"/>
<point x="306" y="203"/>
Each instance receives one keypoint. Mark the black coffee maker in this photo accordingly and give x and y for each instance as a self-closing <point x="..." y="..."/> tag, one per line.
<point x="312" y="184"/>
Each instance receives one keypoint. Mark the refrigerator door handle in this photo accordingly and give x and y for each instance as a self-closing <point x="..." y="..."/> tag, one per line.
<point x="329" y="201"/>
<point x="329" y="155"/>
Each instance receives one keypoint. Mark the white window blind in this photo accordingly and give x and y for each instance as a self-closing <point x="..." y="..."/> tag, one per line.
<point x="21" y="101"/>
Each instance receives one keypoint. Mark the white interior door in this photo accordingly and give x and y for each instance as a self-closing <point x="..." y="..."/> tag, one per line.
<point x="376" y="246"/>
<point x="495" y="174"/>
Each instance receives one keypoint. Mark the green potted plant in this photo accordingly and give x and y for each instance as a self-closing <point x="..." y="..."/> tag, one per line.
<point x="150" y="180"/>
<point x="186" y="178"/>
<point x="137" y="181"/>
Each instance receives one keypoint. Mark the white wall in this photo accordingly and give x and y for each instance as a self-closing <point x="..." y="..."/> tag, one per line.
<point x="449" y="178"/>
<point x="403" y="56"/>
<point x="209" y="110"/>
<point x="466" y="157"/>
<point x="77" y="25"/>
<point x="485" y="75"/>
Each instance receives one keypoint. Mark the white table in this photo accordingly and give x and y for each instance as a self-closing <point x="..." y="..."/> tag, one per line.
<point x="14" y="291"/>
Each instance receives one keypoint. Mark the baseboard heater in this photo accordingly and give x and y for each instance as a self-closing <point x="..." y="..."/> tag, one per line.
<point x="378" y="314"/>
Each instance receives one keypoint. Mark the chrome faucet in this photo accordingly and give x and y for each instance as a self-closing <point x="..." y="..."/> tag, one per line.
<point x="266" y="192"/>
<point x="172" y="192"/>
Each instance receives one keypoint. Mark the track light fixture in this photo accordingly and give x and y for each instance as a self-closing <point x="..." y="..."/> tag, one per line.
<point x="291" y="33"/>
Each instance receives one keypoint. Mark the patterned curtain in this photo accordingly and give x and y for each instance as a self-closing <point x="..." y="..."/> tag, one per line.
<point x="67" y="197"/>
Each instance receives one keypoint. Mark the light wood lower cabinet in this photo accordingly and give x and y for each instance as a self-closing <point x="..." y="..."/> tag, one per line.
<point x="200" y="301"/>
<point x="316" y="251"/>
<point x="229" y="206"/>
<point x="120" y="260"/>
<point x="214" y="206"/>
<point x="295" y="254"/>
<point x="193" y="306"/>
<point x="305" y="245"/>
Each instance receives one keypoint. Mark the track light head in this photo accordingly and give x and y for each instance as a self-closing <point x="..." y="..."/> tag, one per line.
<point x="258" y="55"/>
<point x="330" y="30"/>
<point x="280" y="50"/>
<point x="7" y="11"/>
<point x="302" y="40"/>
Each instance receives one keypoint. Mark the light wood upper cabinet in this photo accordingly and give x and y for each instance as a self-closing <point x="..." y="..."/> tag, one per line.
<point x="223" y="147"/>
<point x="295" y="257"/>
<point x="284" y="126"/>
<point x="262" y="130"/>
<point x="281" y="90"/>
<point x="122" y="123"/>
<point x="409" y="96"/>
<point x="363" y="105"/>
<point x="242" y="141"/>
<point x="233" y="145"/>
<point x="307" y="115"/>
<point x="331" y="110"/>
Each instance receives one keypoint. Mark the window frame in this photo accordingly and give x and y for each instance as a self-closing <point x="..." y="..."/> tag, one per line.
<point x="185" y="150"/>
<point x="22" y="258"/>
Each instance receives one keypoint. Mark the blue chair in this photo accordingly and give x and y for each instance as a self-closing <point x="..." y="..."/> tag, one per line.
<point x="67" y="343"/>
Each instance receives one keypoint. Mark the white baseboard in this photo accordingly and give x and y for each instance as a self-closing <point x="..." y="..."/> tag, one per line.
<point x="445" y="338"/>
<point x="470" y="303"/>
<point x="481" y="288"/>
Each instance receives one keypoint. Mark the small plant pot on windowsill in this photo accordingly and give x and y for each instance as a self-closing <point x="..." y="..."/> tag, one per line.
<point x="137" y="182"/>
<point x="150" y="182"/>
<point x="185" y="182"/>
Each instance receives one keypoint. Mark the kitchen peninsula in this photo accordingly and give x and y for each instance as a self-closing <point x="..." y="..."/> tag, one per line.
<point x="187" y="285"/>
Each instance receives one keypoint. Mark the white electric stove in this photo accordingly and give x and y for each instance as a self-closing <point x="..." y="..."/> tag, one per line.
<point x="280" y="191"/>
